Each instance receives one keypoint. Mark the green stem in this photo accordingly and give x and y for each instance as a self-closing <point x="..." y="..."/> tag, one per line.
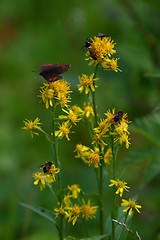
<point x="123" y="226"/>
<point x="114" y="177"/>
<point x="100" y="180"/>
<point x="57" y="164"/>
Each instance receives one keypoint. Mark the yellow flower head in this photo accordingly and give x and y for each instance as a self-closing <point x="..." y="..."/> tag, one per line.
<point x="118" y="122"/>
<point x="94" y="158"/>
<point x="55" y="93"/>
<point x="73" y="212"/>
<point x="88" y="111"/>
<point x="87" y="83"/>
<point x="73" y="114"/>
<point x="63" y="131"/>
<point x="100" y="48"/>
<point x="131" y="204"/>
<point x="74" y="190"/>
<point x="110" y="64"/>
<point x="108" y="157"/>
<point x="120" y="185"/>
<point x="59" y="211"/>
<point x="82" y="152"/>
<point x="87" y="210"/>
<point x="32" y="126"/>
<point x="42" y="179"/>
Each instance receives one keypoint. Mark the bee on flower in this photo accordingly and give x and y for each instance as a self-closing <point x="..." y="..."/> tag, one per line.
<point x="32" y="126"/>
<point x="99" y="49"/>
<point x="46" y="176"/>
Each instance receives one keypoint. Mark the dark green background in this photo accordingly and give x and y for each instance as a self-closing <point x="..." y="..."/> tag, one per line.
<point x="33" y="32"/>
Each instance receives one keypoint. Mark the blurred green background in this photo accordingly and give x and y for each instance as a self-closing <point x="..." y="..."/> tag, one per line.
<point x="34" y="32"/>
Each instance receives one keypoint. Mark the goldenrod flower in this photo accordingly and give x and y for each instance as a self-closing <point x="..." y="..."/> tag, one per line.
<point x="32" y="126"/>
<point x="55" y="93"/>
<point x="131" y="204"/>
<point x="108" y="157"/>
<point x="63" y="131"/>
<point x="102" y="126"/>
<point x="94" y="158"/>
<point x="59" y="211"/>
<point x="110" y="64"/>
<point x="74" y="114"/>
<point x="53" y="170"/>
<point x="86" y="83"/>
<point x="42" y="179"/>
<point x="66" y="200"/>
<point x="87" y="210"/>
<point x="73" y="213"/>
<point x="88" y="111"/>
<point x="118" y="124"/>
<point x="75" y="190"/>
<point x="120" y="185"/>
<point x="82" y="152"/>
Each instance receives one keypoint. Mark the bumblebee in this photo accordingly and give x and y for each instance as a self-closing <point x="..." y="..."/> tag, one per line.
<point x="118" y="116"/>
<point x="46" y="167"/>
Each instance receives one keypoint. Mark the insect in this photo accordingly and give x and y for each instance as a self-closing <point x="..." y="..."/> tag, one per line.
<point x="46" y="167"/>
<point x="101" y="35"/>
<point x="87" y="43"/>
<point x="92" y="54"/>
<point x="51" y="72"/>
<point x="118" y="116"/>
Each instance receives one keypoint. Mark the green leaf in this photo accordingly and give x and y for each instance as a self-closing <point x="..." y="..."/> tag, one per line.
<point x="41" y="211"/>
<point x="149" y="127"/>
<point x="151" y="171"/>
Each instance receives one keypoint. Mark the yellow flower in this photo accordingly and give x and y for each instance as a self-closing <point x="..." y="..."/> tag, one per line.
<point x="32" y="125"/>
<point x="74" y="114"/>
<point x="53" y="170"/>
<point x="87" y="210"/>
<point x="94" y="158"/>
<point x="42" y="179"/>
<point x="108" y="156"/>
<point x="102" y="126"/>
<point x="110" y="64"/>
<point x="73" y="213"/>
<point x="120" y="185"/>
<point x="59" y="211"/>
<point x="88" y="112"/>
<point x="75" y="190"/>
<point x="131" y="204"/>
<point x="55" y="93"/>
<point x="63" y="131"/>
<point x="99" y="49"/>
<point x="66" y="200"/>
<point x="87" y="83"/>
<point x="82" y="152"/>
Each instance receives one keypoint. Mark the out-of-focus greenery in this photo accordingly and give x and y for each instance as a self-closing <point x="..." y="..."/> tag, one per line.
<point x="34" y="32"/>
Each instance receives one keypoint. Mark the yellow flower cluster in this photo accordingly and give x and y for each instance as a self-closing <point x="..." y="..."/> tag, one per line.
<point x="55" y="93"/>
<point x="46" y="176"/>
<point x="131" y="204"/>
<point x="88" y="155"/>
<point x="73" y="211"/>
<point x="99" y="50"/>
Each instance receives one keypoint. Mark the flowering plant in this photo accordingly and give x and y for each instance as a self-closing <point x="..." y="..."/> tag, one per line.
<point x="107" y="134"/>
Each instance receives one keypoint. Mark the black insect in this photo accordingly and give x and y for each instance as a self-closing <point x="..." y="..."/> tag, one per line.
<point x="88" y="43"/>
<point x="46" y="167"/>
<point x="118" y="116"/>
<point x="101" y="35"/>
<point x="92" y="54"/>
